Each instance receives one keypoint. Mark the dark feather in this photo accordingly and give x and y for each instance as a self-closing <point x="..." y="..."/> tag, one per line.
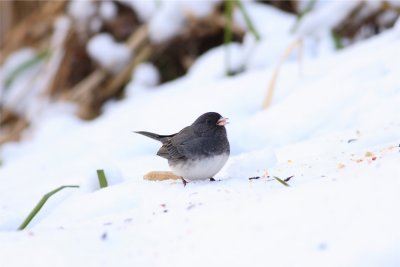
<point x="161" y="138"/>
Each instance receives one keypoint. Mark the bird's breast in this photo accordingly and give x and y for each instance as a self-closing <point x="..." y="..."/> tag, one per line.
<point x="199" y="169"/>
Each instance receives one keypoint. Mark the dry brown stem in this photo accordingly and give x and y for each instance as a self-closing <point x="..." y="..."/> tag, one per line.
<point x="11" y="126"/>
<point x="23" y="34"/>
<point x="272" y="84"/>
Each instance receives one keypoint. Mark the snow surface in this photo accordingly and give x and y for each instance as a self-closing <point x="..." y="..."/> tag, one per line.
<point x="334" y="127"/>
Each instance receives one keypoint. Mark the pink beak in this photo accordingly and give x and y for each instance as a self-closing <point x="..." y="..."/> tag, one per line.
<point x="222" y="121"/>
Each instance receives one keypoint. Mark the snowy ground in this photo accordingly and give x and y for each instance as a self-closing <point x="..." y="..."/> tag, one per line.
<point x="334" y="127"/>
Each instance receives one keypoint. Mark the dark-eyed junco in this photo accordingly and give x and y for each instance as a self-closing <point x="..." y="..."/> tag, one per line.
<point x="198" y="151"/>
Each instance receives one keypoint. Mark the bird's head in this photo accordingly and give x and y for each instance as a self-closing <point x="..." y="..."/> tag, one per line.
<point x="210" y="122"/>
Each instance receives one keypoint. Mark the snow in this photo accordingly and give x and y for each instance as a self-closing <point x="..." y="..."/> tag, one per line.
<point x="320" y="21"/>
<point x="107" y="52"/>
<point x="159" y="29"/>
<point x="144" y="9"/>
<point x="108" y="10"/>
<point x="166" y="22"/>
<point x="334" y="127"/>
<point x="12" y="95"/>
<point x="163" y="16"/>
<point x="212" y="64"/>
<point x="81" y="11"/>
<point x="146" y="74"/>
<point x="199" y="8"/>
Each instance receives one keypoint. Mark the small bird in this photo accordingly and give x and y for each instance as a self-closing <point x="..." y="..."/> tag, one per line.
<point x="198" y="151"/>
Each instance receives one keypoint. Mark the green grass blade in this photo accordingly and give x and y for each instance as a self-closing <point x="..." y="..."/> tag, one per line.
<point x="337" y="41"/>
<point x="307" y="9"/>
<point x="41" y="203"/>
<point x="26" y="65"/>
<point x="228" y="12"/>
<point x="247" y="19"/>
<point x="102" y="178"/>
<point x="281" y="181"/>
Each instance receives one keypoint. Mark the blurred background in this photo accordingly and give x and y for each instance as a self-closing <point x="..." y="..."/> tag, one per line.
<point x="86" y="52"/>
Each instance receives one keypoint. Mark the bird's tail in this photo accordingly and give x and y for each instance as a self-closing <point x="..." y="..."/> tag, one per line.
<point x="161" y="138"/>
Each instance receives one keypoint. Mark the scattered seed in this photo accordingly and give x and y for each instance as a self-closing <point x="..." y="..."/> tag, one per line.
<point x="368" y="154"/>
<point x="128" y="220"/>
<point x="191" y="206"/>
<point x="341" y="166"/>
<point x="104" y="236"/>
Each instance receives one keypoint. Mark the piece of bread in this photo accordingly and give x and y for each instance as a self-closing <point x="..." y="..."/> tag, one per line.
<point x="160" y="176"/>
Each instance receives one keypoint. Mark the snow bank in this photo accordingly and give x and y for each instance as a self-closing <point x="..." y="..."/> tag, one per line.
<point x="331" y="130"/>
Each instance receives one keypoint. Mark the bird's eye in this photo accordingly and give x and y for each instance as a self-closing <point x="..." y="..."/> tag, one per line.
<point x="208" y="121"/>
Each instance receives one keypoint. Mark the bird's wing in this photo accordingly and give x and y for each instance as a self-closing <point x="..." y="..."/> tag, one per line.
<point x="174" y="147"/>
<point x="203" y="146"/>
<point x="167" y="150"/>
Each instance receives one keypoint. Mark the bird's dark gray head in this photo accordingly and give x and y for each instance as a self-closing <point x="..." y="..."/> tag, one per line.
<point x="210" y="123"/>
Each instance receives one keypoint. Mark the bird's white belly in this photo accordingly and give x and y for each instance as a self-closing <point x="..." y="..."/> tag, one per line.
<point x="200" y="169"/>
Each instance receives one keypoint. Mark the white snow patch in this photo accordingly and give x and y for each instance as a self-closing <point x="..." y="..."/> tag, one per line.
<point x="112" y="173"/>
<point x="166" y="22"/>
<point x="108" y="10"/>
<point x="17" y="96"/>
<point x="108" y="53"/>
<point x="199" y="8"/>
<point x="146" y="74"/>
<point x="215" y="62"/>
<point x="81" y="11"/>
<point x="144" y="9"/>
<point x="321" y="20"/>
